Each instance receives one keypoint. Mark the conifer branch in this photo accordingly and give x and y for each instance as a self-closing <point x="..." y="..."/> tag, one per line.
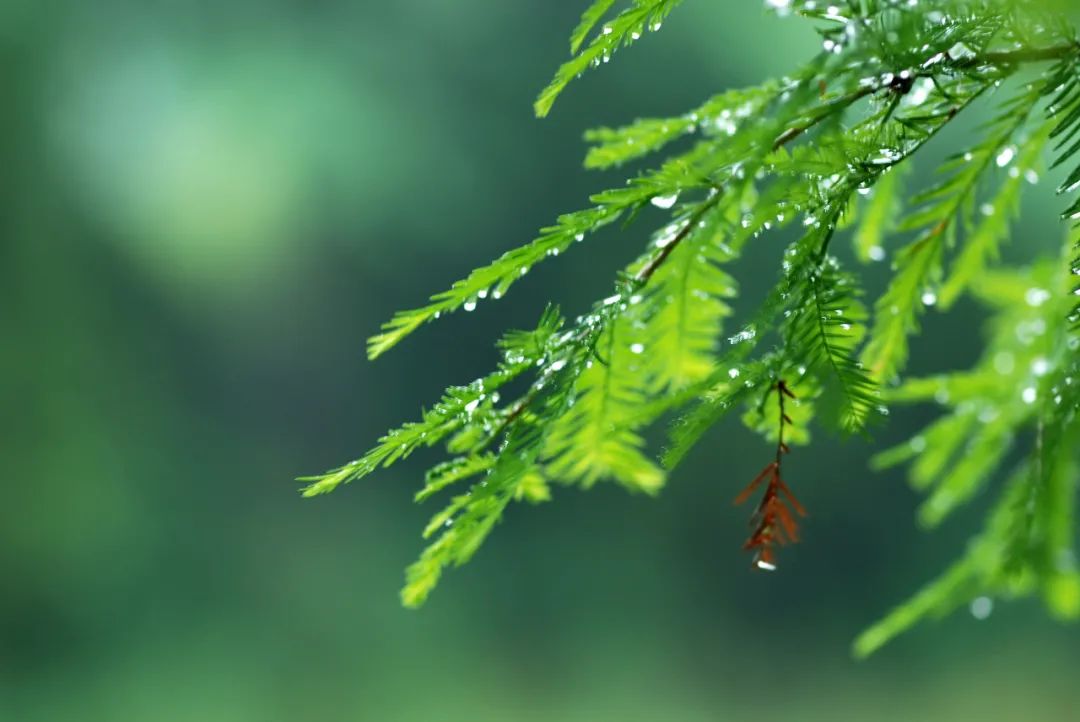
<point x="803" y="149"/>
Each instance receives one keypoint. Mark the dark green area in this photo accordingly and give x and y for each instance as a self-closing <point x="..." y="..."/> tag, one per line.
<point x="207" y="208"/>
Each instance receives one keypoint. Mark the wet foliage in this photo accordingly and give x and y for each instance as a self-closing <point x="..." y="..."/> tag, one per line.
<point x="822" y="153"/>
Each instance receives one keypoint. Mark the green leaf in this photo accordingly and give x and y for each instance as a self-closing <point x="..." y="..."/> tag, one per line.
<point x="625" y="28"/>
<point x="596" y="438"/>
<point x="684" y="308"/>
<point x="589" y="19"/>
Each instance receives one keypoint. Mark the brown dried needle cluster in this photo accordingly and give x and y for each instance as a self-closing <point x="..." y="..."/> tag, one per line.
<point x="773" y="522"/>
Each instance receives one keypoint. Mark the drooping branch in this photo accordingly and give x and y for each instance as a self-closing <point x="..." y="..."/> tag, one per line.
<point x="773" y="523"/>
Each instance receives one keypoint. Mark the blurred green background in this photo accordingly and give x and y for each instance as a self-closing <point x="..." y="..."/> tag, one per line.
<point x="207" y="206"/>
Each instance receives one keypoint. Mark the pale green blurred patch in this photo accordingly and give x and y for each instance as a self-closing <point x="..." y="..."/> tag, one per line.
<point x="208" y="167"/>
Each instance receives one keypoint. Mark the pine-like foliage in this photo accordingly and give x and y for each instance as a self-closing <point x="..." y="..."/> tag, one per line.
<point x="818" y="154"/>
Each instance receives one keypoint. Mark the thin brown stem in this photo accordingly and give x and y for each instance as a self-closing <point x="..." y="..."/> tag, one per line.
<point x="649" y="269"/>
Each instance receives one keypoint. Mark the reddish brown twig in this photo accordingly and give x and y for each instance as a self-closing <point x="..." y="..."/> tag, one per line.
<point x="774" y="521"/>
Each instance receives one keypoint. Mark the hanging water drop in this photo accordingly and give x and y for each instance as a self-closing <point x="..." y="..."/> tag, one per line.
<point x="1004" y="363"/>
<point x="780" y="7"/>
<point x="961" y="52"/>
<point x="1005" y="156"/>
<point x="981" y="607"/>
<point x="665" y="202"/>
<point x="1036" y="297"/>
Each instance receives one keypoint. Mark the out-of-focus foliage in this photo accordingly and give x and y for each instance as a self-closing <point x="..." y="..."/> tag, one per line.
<point x="1025" y="388"/>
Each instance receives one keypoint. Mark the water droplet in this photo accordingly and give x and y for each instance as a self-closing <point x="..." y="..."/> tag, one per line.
<point x="747" y="334"/>
<point x="733" y="373"/>
<point x="1040" y="366"/>
<point x="1028" y="395"/>
<point x="921" y="91"/>
<point x="665" y="201"/>
<point x="1004" y="363"/>
<point x="469" y="305"/>
<point x="1028" y="331"/>
<point x="929" y="298"/>
<point x="637" y="348"/>
<point x="876" y="253"/>
<point x="1036" y="297"/>
<point x="666" y="239"/>
<point x="981" y="607"/>
<point x="1005" y="156"/>
<point x="961" y="52"/>
<point x="934" y="60"/>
